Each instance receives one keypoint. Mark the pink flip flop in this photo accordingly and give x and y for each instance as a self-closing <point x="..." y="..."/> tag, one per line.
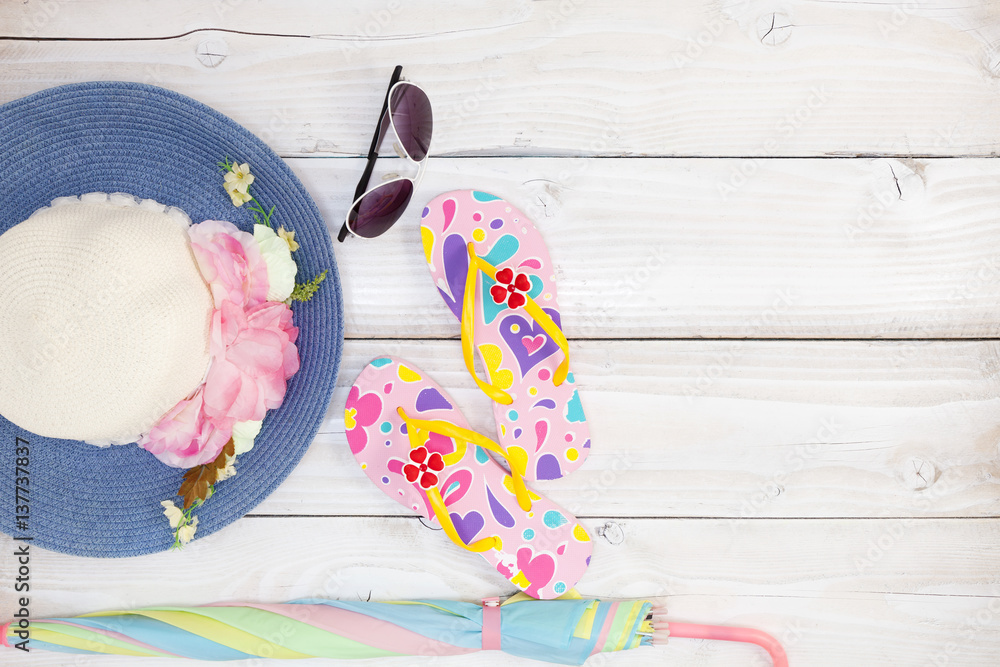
<point x="513" y="322"/>
<point x="415" y="445"/>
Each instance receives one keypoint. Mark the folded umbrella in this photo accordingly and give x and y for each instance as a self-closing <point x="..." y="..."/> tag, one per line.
<point x="565" y="631"/>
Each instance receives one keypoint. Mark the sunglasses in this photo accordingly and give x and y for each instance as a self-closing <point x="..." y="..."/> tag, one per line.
<point x="408" y="111"/>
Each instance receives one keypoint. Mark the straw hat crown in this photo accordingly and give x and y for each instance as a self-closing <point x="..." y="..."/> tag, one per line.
<point x="104" y="318"/>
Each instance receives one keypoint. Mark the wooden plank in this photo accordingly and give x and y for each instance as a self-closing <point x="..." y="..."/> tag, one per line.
<point x="859" y="248"/>
<point x="834" y="592"/>
<point x="726" y="429"/>
<point x="692" y="77"/>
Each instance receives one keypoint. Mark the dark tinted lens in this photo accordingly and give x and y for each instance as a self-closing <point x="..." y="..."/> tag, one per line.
<point x="380" y="209"/>
<point x="413" y="119"/>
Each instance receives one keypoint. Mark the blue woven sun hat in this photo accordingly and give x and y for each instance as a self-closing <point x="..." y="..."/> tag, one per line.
<point x="154" y="144"/>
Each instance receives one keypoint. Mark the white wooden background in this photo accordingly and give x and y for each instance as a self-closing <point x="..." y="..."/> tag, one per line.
<point x="777" y="231"/>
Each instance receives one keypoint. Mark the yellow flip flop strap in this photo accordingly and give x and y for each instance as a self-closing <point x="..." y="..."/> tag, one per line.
<point x="449" y="430"/>
<point x="476" y="264"/>
<point x="468" y="329"/>
<point x="417" y="437"/>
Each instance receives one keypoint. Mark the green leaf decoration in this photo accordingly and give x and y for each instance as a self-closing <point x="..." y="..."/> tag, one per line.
<point x="306" y="291"/>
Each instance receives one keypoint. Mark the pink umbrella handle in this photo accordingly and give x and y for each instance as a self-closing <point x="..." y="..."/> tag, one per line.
<point x="749" y="635"/>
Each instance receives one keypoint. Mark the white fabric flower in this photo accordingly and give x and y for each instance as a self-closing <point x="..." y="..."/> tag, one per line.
<point x="239" y="198"/>
<point x="244" y="434"/>
<point x="237" y="183"/>
<point x="173" y="513"/>
<point x="281" y="268"/>
<point x="186" y="533"/>
<point x="229" y="470"/>
<point x="289" y="237"/>
<point x="240" y="178"/>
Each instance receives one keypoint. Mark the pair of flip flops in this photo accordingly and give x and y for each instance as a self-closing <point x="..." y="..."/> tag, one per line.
<point x="492" y="268"/>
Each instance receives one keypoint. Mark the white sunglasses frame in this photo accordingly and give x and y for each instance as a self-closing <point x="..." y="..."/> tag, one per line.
<point x="401" y="152"/>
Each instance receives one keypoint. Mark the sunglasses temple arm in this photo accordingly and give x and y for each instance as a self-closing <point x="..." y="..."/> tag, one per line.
<point x="421" y="169"/>
<point x="372" y="149"/>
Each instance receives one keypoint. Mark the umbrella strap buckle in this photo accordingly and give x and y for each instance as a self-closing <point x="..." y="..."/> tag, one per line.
<point x="491" y="624"/>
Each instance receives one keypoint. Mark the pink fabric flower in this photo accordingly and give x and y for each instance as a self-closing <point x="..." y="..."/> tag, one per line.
<point x="230" y="262"/>
<point x="252" y="346"/>
<point x="185" y="437"/>
<point x="253" y="354"/>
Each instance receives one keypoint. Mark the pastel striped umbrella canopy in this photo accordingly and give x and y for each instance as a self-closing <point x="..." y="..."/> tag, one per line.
<point x="563" y="631"/>
<point x="559" y="631"/>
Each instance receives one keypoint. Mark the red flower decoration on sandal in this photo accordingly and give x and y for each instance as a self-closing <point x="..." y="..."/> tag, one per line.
<point x="423" y="467"/>
<point x="510" y="288"/>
